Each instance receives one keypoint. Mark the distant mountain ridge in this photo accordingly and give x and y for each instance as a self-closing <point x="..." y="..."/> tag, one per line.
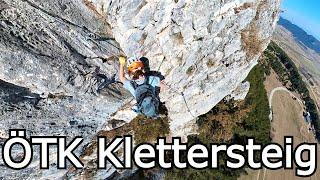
<point x="301" y="35"/>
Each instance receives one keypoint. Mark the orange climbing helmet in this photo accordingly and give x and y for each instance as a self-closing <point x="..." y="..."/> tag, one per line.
<point x="134" y="64"/>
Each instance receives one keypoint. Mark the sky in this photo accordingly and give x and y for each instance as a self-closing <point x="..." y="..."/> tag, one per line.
<point x="304" y="13"/>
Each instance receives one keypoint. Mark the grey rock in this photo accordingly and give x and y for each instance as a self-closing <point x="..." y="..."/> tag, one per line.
<point x="184" y="35"/>
<point x="53" y="53"/>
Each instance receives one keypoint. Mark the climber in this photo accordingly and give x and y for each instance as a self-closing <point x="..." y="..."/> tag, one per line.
<point x="144" y="86"/>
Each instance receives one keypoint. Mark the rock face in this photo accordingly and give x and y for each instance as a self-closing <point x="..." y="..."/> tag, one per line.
<point x="204" y="48"/>
<point x="54" y="55"/>
<point x="240" y="92"/>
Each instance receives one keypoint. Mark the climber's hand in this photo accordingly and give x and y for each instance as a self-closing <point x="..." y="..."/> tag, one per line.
<point x="122" y="60"/>
<point x="163" y="86"/>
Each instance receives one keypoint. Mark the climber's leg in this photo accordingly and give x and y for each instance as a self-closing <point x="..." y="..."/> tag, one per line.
<point x="135" y="109"/>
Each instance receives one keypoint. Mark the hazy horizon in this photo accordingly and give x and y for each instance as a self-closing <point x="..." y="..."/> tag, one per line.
<point x="304" y="14"/>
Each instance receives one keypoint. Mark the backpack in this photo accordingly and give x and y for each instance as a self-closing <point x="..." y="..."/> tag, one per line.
<point x="147" y="100"/>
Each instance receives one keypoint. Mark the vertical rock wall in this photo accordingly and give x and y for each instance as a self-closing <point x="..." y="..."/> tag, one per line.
<point x="205" y="48"/>
<point x="52" y="51"/>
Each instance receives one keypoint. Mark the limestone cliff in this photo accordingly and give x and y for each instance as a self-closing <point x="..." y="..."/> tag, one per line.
<point x="204" y="48"/>
<point x="54" y="55"/>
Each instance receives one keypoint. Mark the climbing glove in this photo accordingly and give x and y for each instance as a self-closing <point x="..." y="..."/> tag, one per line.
<point x="122" y="60"/>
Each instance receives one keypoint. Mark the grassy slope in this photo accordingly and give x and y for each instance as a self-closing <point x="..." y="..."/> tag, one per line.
<point x="232" y="122"/>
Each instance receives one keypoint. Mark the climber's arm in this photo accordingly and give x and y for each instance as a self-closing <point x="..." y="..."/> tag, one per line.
<point x="163" y="86"/>
<point x="155" y="81"/>
<point x="122" y="61"/>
